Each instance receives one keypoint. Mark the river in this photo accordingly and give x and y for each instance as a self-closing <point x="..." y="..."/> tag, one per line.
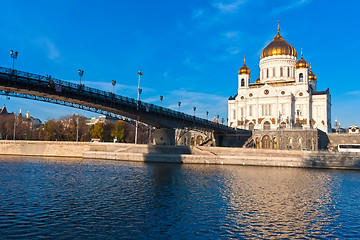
<point x="51" y="198"/>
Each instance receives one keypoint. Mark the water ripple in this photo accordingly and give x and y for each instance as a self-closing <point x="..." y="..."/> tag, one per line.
<point x="63" y="198"/>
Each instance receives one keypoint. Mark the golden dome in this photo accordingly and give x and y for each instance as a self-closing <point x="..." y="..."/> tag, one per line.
<point x="244" y="69"/>
<point x="301" y="63"/>
<point x="278" y="46"/>
<point x="312" y="76"/>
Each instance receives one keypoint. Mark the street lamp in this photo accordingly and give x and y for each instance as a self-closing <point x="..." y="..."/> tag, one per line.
<point x="137" y="106"/>
<point x="77" y="128"/>
<point x="179" y="103"/>
<point x="81" y="73"/>
<point x="194" y="110"/>
<point x="113" y="82"/>
<point x="13" y="56"/>
<point x="161" y="98"/>
<point x="14" y="126"/>
<point x="207" y="115"/>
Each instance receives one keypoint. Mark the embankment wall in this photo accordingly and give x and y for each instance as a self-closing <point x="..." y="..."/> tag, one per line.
<point x="183" y="154"/>
<point x="43" y="148"/>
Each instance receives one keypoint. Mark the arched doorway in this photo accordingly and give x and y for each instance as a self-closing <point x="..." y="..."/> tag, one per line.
<point x="199" y="140"/>
<point x="267" y="125"/>
<point x="265" y="142"/>
<point x="282" y="125"/>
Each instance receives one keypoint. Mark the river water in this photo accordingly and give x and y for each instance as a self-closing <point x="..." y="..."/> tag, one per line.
<point x="90" y="199"/>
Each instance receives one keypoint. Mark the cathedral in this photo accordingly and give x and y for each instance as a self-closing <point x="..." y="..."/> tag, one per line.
<point x="284" y="96"/>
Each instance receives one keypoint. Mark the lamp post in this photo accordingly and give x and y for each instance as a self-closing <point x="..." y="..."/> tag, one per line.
<point x="113" y="82"/>
<point x="194" y="110"/>
<point x="336" y="126"/>
<point x="81" y="73"/>
<point x="137" y="106"/>
<point x="207" y="115"/>
<point x="14" y="126"/>
<point x="77" y="128"/>
<point x="179" y="104"/>
<point x="13" y="56"/>
<point x="161" y="98"/>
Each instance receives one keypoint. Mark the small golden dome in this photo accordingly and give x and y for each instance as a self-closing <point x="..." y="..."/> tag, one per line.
<point x="301" y="63"/>
<point x="312" y="76"/>
<point x="257" y="80"/>
<point x="278" y="46"/>
<point x="244" y="69"/>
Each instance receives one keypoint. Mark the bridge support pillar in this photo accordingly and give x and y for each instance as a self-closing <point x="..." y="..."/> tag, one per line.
<point x="164" y="136"/>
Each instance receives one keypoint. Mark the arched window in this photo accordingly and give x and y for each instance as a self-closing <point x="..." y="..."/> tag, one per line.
<point x="251" y="126"/>
<point x="267" y="73"/>
<point x="242" y="82"/>
<point x="301" y="77"/>
<point x="288" y="71"/>
<point x="300" y="143"/>
<point x="281" y="71"/>
<point x="273" y="72"/>
<point x="266" y="125"/>
<point x="282" y="125"/>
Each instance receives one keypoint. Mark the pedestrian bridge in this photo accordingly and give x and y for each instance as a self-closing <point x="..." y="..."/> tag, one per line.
<point x="47" y="89"/>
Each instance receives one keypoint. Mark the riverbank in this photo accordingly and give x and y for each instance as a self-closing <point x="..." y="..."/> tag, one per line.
<point x="182" y="154"/>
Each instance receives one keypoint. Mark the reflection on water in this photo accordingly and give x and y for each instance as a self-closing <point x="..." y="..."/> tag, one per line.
<point x="52" y="198"/>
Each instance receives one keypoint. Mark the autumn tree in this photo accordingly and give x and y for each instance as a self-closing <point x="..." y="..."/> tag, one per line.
<point x="97" y="130"/>
<point x="119" y="131"/>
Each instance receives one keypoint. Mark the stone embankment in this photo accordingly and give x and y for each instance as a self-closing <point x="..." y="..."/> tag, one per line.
<point x="183" y="154"/>
<point x="43" y="148"/>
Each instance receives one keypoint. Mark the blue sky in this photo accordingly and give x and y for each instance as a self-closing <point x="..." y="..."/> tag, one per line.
<point x="189" y="51"/>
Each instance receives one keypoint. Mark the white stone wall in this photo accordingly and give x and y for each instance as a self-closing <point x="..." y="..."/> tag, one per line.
<point x="281" y="98"/>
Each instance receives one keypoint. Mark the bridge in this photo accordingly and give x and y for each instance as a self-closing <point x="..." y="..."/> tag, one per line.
<point x="47" y="89"/>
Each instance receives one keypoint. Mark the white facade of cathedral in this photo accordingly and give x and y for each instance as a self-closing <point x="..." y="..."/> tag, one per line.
<point x="283" y="97"/>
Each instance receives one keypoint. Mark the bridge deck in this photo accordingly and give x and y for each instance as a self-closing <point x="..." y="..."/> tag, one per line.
<point x="43" y="88"/>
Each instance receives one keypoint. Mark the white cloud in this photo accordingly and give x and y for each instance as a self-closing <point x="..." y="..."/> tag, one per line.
<point x="188" y="61"/>
<point x="213" y="103"/>
<point x="197" y="13"/>
<point x="353" y="93"/>
<point x="229" y="7"/>
<point x="49" y="47"/>
<point x="233" y="50"/>
<point x="292" y="5"/>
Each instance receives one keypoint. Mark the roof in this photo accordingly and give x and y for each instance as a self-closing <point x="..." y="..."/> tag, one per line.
<point x="321" y="92"/>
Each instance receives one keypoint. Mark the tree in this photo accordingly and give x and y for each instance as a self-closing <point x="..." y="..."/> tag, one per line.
<point x="53" y="130"/>
<point x="108" y="128"/>
<point x="119" y="131"/>
<point x="97" y="130"/>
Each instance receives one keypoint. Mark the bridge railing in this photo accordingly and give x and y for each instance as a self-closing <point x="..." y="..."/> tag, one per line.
<point x="45" y="80"/>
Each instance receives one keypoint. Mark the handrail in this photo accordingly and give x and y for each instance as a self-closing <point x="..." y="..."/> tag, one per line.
<point x="130" y="101"/>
